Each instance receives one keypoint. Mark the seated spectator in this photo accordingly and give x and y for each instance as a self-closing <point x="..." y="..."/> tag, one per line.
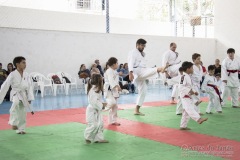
<point x="3" y="75"/>
<point x="10" y="68"/>
<point x="99" y="67"/>
<point x="94" y="69"/>
<point x="83" y="72"/>
<point x="120" y="69"/>
<point x="217" y="67"/>
<point x="125" y="74"/>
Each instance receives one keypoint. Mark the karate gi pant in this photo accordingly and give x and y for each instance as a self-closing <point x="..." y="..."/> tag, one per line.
<point x="196" y="98"/>
<point x="18" y="115"/>
<point x="173" y="70"/>
<point x="94" y="130"/>
<point x="214" y="102"/>
<point x="175" y="91"/>
<point x="140" y="77"/>
<point x="179" y="108"/>
<point x="188" y="112"/>
<point x="233" y="92"/>
<point x="112" y="104"/>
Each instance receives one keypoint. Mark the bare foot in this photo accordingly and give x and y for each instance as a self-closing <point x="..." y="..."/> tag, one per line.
<point x="235" y="106"/>
<point x="116" y="124"/>
<point x="22" y="132"/>
<point x="87" y="141"/>
<point x="14" y="127"/>
<point x="181" y="128"/>
<point x="102" y="141"/>
<point x="173" y="102"/>
<point x="139" y="114"/>
<point x="201" y="120"/>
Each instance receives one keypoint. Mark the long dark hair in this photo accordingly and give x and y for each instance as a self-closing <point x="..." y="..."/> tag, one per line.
<point x="96" y="79"/>
<point x="10" y="64"/>
<point x="81" y="66"/>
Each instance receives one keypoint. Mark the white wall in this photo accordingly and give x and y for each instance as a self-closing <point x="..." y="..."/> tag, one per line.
<point x="12" y="17"/>
<point x="227" y="25"/>
<point x="52" y="51"/>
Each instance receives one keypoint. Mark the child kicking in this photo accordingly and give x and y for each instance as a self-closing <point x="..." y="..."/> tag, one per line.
<point x="186" y="91"/>
<point x="21" y="95"/>
<point x="209" y="86"/>
<point x="94" y="130"/>
<point x="111" y="90"/>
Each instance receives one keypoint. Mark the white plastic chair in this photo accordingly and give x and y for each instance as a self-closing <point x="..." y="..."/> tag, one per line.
<point x="55" y="86"/>
<point x="121" y="80"/>
<point x="42" y="83"/>
<point x="71" y="85"/>
<point x="82" y="85"/>
<point x="33" y="83"/>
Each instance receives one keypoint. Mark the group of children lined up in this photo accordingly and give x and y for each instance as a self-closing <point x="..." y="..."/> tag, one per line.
<point x="209" y="84"/>
<point x="189" y="89"/>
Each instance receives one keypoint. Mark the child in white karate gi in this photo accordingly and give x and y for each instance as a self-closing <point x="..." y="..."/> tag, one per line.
<point x="186" y="91"/>
<point x="229" y="75"/>
<point x="196" y="79"/>
<point x="21" y="95"/>
<point x="209" y="86"/>
<point x="94" y="130"/>
<point x="111" y="90"/>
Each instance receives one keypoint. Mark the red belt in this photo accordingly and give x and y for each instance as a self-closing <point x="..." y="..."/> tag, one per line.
<point x="216" y="90"/>
<point x="186" y="96"/>
<point x="231" y="71"/>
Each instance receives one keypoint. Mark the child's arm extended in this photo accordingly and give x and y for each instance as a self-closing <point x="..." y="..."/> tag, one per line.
<point x="5" y="87"/>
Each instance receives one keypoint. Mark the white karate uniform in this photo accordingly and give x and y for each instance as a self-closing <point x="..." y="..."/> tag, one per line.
<point x="219" y="83"/>
<point x="173" y="59"/>
<point x="138" y="64"/>
<point x="232" y="79"/>
<point x="185" y="86"/>
<point x="20" y="94"/>
<point x="175" y="93"/>
<point x="196" y="78"/>
<point x="111" y="79"/>
<point x="94" y="130"/>
<point x="214" y="101"/>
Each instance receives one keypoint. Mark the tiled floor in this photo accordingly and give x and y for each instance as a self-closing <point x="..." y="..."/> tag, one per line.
<point x="74" y="100"/>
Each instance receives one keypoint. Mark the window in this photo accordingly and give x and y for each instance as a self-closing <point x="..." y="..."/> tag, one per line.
<point x="83" y="4"/>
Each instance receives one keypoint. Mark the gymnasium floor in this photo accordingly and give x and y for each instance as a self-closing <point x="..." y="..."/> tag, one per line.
<point x="56" y="132"/>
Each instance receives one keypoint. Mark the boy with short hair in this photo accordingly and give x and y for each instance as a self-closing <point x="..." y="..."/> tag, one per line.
<point x="21" y="95"/>
<point x="209" y="86"/>
<point x="229" y="74"/>
<point x="186" y="91"/>
<point x="196" y="79"/>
